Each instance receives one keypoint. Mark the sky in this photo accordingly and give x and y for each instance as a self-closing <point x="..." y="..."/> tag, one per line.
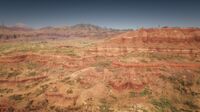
<point x="105" y="13"/>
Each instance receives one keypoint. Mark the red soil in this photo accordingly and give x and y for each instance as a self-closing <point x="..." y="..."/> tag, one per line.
<point x="142" y="65"/>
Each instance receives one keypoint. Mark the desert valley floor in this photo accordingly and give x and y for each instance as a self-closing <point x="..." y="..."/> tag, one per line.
<point x="147" y="70"/>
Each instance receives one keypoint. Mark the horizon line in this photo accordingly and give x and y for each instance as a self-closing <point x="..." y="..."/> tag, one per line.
<point x="96" y="25"/>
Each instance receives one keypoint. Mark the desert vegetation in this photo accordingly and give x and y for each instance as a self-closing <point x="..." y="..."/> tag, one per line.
<point x="100" y="70"/>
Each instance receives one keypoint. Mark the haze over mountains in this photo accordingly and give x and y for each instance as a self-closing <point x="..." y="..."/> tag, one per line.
<point x="23" y="32"/>
<point x="79" y="30"/>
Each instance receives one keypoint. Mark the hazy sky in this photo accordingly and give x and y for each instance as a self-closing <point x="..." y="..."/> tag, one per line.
<point x="108" y="13"/>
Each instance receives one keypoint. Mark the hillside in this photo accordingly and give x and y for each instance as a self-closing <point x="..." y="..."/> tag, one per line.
<point x="145" y="70"/>
<point x="157" y="36"/>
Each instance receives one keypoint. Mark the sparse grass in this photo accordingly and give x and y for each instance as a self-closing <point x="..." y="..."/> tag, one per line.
<point x="9" y="73"/>
<point x="45" y="70"/>
<point x="145" y="92"/>
<point x="34" y="105"/>
<point x="132" y="93"/>
<point x="136" y="54"/>
<point x="31" y="65"/>
<point x="54" y="89"/>
<point x="7" y="48"/>
<point x="41" y="90"/>
<point x="32" y="73"/>
<point x="66" y="79"/>
<point x="187" y="96"/>
<point x="103" y="64"/>
<point x="69" y="91"/>
<point x="16" y="97"/>
<point x="11" y="109"/>
<point x="67" y="51"/>
<point x="162" y="104"/>
<point x="70" y="82"/>
<point x="14" y="73"/>
<point x="191" y="104"/>
<point x="128" y="55"/>
<point x="29" y="105"/>
<point x="156" y="56"/>
<point x="113" y="97"/>
<point x="139" y="109"/>
<point x="105" y="106"/>
<point x="198" y="81"/>
<point x="143" y="57"/>
<point x="197" y="71"/>
<point x="3" y="73"/>
<point x="179" y="83"/>
<point x="5" y="90"/>
<point x="165" y="57"/>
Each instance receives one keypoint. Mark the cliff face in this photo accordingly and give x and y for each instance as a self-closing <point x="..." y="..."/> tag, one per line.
<point x="163" y="33"/>
<point x="156" y="37"/>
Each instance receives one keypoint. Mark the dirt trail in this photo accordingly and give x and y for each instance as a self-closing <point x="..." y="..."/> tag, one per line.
<point x="75" y="74"/>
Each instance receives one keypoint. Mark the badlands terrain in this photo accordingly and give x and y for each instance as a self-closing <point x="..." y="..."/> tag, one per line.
<point x="85" y="68"/>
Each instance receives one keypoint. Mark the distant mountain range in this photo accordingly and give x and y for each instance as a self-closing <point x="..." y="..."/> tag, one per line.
<point x="23" y="32"/>
<point x="79" y="30"/>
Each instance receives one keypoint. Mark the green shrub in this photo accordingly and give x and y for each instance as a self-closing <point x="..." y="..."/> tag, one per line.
<point x="132" y="94"/>
<point x="161" y="104"/>
<point x="145" y="92"/>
